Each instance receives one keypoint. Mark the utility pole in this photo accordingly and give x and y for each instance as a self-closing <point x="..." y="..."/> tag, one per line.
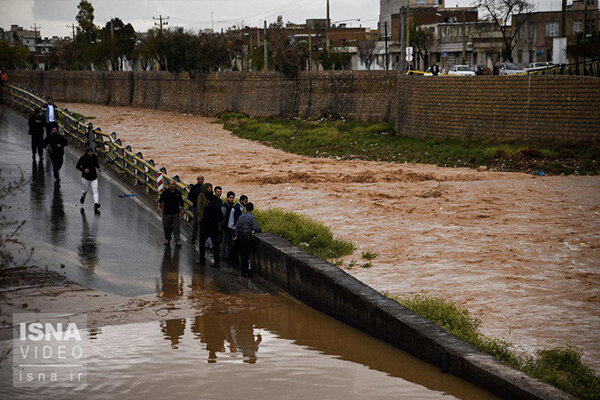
<point x="72" y="26"/>
<point x="309" y="48"/>
<point x="35" y="28"/>
<point x="563" y="19"/>
<point x="160" y="24"/>
<point x="266" y="49"/>
<point x="112" y="29"/>
<point x="327" y="23"/>
<point x="403" y="38"/>
<point x="387" y="62"/>
<point x="464" y="39"/>
<point x="212" y="21"/>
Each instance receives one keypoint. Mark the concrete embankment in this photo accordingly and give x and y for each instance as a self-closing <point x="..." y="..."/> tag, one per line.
<point x="334" y="292"/>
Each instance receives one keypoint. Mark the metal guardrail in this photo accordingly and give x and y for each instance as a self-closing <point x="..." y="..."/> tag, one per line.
<point x="587" y="68"/>
<point x="142" y="172"/>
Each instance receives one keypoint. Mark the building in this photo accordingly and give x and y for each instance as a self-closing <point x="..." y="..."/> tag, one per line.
<point x="387" y="8"/>
<point x="538" y="30"/>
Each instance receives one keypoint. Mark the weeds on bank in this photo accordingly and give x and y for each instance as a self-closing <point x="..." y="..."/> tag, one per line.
<point x="369" y="255"/>
<point x="561" y="366"/>
<point x="376" y="141"/>
<point x="309" y="235"/>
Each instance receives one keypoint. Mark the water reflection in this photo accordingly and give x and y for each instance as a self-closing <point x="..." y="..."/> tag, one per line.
<point x="88" y="249"/>
<point x="57" y="217"/>
<point x="173" y="330"/>
<point x="170" y="286"/>
<point x="37" y="183"/>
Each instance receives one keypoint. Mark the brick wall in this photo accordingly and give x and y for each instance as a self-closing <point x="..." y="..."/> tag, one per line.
<point x="562" y="108"/>
<point x="354" y="94"/>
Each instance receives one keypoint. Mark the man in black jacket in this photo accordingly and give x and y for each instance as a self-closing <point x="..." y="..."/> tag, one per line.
<point x="170" y="204"/>
<point x="55" y="144"/>
<point x="36" y="130"/>
<point x="89" y="166"/>
<point x="195" y="190"/>
<point x="51" y="118"/>
<point x="211" y="228"/>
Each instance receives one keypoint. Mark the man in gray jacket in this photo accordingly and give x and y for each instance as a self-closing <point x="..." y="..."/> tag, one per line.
<point x="245" y="226"/>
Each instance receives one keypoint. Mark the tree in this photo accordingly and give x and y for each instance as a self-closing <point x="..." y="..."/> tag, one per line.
<point x="117" y="42"/>
<point x="13" y="57"/>
<point x="366" y="52"/>
<point x="422" y="39"/>
<point x="501" y="11"/>
<point x="87" y="32"/>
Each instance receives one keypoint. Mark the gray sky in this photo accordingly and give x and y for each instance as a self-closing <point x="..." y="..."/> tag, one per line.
<point x="55" y="15"/>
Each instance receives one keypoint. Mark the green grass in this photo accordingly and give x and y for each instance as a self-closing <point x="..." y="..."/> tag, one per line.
<point x="369" y="255"/>
<point x="376" y="141"/>
<point x="366" y="265"/>
<point x="561" y="366"/>
<point x="307" y="234"/>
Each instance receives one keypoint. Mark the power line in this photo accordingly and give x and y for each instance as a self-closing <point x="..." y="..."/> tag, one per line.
<point x="160" y="24"/>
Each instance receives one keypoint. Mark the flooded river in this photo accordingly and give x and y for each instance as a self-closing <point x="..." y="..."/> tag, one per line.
<point x="521" y="252"/>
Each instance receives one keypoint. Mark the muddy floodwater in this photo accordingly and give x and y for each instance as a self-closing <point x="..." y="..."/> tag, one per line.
<point x="521" y="252"/>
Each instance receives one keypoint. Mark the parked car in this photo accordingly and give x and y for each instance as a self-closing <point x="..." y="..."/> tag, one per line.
<point x="539" y="66"/>
<point x="461" y="70"/>
<point x="508" y="68"/>
<point x="428" y="72"/>
<point x="481" y="69"/>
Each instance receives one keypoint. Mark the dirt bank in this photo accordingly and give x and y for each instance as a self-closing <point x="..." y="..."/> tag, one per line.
<point x="521" y="252"/>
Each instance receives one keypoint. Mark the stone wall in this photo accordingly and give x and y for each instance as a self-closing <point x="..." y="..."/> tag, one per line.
<point x="518" y="108"/>
<point x="502" y="108"/>
<point x="360" y="95"/>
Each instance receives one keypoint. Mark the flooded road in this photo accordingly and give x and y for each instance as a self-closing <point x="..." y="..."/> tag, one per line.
<point x="209" y="333"/>
<point x="521" y="252"/>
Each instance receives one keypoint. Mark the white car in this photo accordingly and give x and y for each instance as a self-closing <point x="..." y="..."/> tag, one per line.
<point x="537" y="66"/>
<point x="461" y="70"/>
<point x="508" y="68"/>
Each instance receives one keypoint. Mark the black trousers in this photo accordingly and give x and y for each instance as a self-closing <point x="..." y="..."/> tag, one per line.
<point x="37" y="144"/>
<point x="243" y="249"/>
<point x="49" y="127"/>
<point x="215" y="237"/>
<point x="57" y="162"/>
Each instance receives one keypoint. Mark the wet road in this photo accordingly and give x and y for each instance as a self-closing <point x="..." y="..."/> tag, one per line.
<point x="242" y="339"/>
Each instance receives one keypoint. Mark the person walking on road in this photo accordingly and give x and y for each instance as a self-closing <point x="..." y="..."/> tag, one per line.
<point x="36" y="130"/>
<point x="89" y="166"/>
<point x="170" y="204"/>
<point x="51" y="118"/>
<point x="193" y="194"/>
<point x="212" y="218"/>
<point x="435" y="70"/>
<point x="227" y="232"/>
<point x="55" y="144"/>
<point x="245" y="226"/>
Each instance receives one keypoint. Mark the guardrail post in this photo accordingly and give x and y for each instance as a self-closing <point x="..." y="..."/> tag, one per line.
<point x="151" y="177"/>
<point x="120" y="153"/>
<point x="140" y="172"/>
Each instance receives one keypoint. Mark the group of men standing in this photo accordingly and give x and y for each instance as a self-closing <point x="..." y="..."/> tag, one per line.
<point x="226" y="226"/>
<point x="55" y="144"/>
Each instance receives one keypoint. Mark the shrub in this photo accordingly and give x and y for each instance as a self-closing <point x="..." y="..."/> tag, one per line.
<point x="309" y="235"/>
<point x="369" y="255"/>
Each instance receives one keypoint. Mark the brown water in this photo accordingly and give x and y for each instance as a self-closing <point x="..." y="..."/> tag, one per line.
<point x="521" y="252"/>
<point x="273" y="350"/>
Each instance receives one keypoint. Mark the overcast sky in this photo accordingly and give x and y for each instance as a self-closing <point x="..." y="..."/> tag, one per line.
<point x="54" y="15"/>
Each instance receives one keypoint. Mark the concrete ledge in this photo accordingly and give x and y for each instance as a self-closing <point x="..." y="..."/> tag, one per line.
<point x="334" y="292"/>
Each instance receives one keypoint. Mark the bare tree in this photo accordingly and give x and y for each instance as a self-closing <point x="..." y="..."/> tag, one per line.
<point x="366" y="52"/>
<point x="501" y="11"/>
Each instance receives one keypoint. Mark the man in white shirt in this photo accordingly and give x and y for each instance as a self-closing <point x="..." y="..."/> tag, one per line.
<point x="51" y="116"/>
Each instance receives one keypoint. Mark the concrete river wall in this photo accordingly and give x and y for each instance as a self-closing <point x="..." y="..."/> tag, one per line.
<point x="517" y="108"/>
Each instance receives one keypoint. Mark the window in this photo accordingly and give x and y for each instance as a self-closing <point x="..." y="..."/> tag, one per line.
<point x="421" y="2"/>
<point x="531" y="30"/>
<point x="577" y="27"/>
<point x="520" y="56"/>
<point x="552" y="29"/>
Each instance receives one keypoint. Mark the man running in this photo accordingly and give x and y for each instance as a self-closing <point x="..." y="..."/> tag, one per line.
<point x="51" y="116"/>
<point x="171" y="204"/>
<point x="89" y="166"/>
<point x="55" y="144"/>
<point x="36" y="130"/>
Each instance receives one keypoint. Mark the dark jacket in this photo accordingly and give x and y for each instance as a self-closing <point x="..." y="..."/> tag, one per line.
<point x="202" y="201"/>
<point x="435" y="70"/>
<point x="226" y="211"/>
<point x="57" y="144"/>
<point x="212" y="216"/>
<point x="36" y="125"/>
<point x="172" y="202"/>
<point x="194" y="192"/>
<point x="89" y="162"/>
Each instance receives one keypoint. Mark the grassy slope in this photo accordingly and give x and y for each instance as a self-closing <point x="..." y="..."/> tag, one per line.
<point x="377" y="142"/>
